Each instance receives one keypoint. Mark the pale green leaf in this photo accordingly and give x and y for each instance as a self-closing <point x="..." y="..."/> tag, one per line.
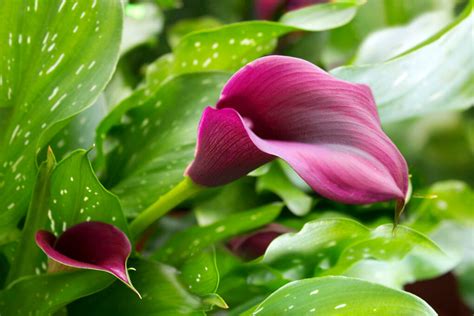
<point x="56" y="57"/>
<point x="437" y="75"/>
<point x="340" y="296"/>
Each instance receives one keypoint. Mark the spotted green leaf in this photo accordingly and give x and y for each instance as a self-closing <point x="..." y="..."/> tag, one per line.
<point x="161" y="290"/>
<point x="276" y="181"/>
<point x="440" y="69"/>
<point x="340" y="296"/>
<point x="56" y="57"/>
<point x="67" y="195"/>
<point x="47" y="293"/>
<point x="323" y="16"/>
<point x="184" y="27"/>
<point x="199" y="273"/>
<point x="157" y="141"/>
<point x="189" y="242"/>
<point x="334" y="246"/>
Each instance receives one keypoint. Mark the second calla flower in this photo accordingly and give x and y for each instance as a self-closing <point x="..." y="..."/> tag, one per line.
<point x="326" y="129"/>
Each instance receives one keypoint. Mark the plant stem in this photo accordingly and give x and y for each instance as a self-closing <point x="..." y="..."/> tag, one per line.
<point x="165" y="203"/>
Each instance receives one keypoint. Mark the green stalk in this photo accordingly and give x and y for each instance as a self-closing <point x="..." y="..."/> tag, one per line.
<point x="165" y="203"/>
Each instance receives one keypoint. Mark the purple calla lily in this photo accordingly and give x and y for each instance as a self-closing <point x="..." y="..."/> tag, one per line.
<point x="326" y="129"/>
<point x="90" y="245"/>
<point x="267" y="9"/>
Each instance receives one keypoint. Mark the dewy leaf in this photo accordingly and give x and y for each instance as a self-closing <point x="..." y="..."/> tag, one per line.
<point x="322" y="17"/>
<point x="275" y="180"/>
<point x="438" y="75"/>
<point x="191" y="241"/>
<point x="80" y="131"/>
<point x="340" y="296"/>
<point x="70" y="196"/>
<point x="199" y="273"/>
<point x="161" y="290"/>
<point x="47" y="293"/>
<point x="390" y="42"/>
<point x="56" y="57"/>
<point x="157" y="142"/>
<point x="341" y="246"/>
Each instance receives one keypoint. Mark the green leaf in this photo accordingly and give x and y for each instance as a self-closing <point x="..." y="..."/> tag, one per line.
<point x="189" y="242"/>
<point x="438" y="75"/>
<point x="157" y="142"/>
<point x="446" y="200"/>
<point x="390" y="42"/>
<point x="47" y="293"/>
<point x="322" y="17"/>
<point x="143" y="21"/>
<point x="341" y="246"/>
<point x="277" y="182"/>
<point x="200" y="273"/>
<point x="80" y="131"/>
<point x="340" y="296"/>
<point x="68" y="195"/>
<point x="160" y="288"/>
<point x="56" y="58"/>
<point x="184" y="27"/>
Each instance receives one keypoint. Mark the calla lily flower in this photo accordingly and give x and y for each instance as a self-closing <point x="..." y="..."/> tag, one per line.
<point x="90" y="245"/>
<point x="267" y="9"/>
<point x="254" y="245"/>
<point x="326" y="129"/>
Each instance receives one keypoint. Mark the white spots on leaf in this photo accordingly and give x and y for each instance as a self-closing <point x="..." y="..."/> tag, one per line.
<point x="61" y="5"/>
<point x="20" y="38"/>
<point x="78" y="71"/>
<point x="83" y="14"/>
<point x="74" y="6"/>
<point x="197" y="44"/>
<point x="220" y="229"/>
<point x="60" y="143"/>
<point x="206" y="62"/>
<point x="51" y="47"/>
<point x="14" y="133"/>
<point x="400" y="79"/>
<point x="340" y="306"/>
<point x="50" y="216"/>
<point x="64" y="226"/>
<point x="247" y="42"/>
<point x="215" y="45"/>
<point x="312" y="310"/>
<point x="81" y="210"/>
<point x="232" y="41"/>
<point x="86" y="199"/>
<point x="43" y="125"/>
<point x="442" y="205"/>
<point x="53" y="93"/>
<point x="215" y="55"/>
<point x="314" y="292"/>
<point x="74" y="30"/>
<point x="58" y="102"/>
<point x="91" y="65"/>
<point x="259" y="34"/>
<point x="17" y="162"/>
<point x="55" y="64"/>
<point x="12" y="205"/>
<point x="93" y="88"/>
<point x="94" y="3"/>
<point x="10" y="39"/>
<point x="36" y="5"/>
<point x="37" y="271"/>
<point x="88" y="219"/>
<point x="195" y="62"/>
<point x="71" y="179"/>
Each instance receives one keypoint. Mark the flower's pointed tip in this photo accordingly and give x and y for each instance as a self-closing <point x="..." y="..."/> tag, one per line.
<point x="125" y="278"/>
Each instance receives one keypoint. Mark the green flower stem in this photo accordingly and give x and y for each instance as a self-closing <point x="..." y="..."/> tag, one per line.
<point x="165" y="203"/>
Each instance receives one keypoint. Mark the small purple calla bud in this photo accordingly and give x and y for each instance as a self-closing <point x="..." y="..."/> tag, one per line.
<point x="90" y="245"/>
<point x="326" y="129"/>
<point x="253" y="245"/>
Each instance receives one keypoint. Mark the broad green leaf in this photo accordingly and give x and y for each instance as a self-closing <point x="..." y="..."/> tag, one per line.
<point x="199" y="273"/>
<point x="340" y="296"/>
<point x="335" y="246"/>
<point x="47" y="293"/>
<point x="440" y="69"/>
<point x="56" y="58"/>
<point x="322" y="17"/>
<point x="388" y="43"/>
<point x="189" y="242"/>
<point x="68" y="195"/>
<point x="447" y="200"/>
<point x="160" y="288"/>
<point x="157" y="141"/>
<point x="234" y="197"/>
<point x="276" y="181"/>
<point x="80" y="131"/>
<point x="184" y="27"/>
<point x="142" y="22"/>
